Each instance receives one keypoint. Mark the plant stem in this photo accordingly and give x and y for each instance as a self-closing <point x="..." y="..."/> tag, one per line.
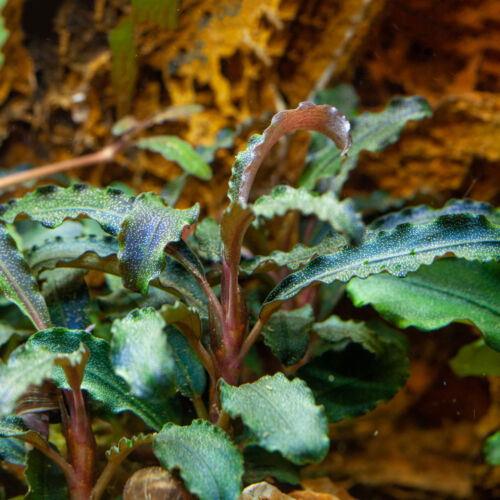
<point x="251" y="338"/>
<point x="200" y="407"/>
<point x="103" y="480"/>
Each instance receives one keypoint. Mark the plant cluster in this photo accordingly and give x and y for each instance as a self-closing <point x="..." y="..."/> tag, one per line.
<point x="224" y="339"/>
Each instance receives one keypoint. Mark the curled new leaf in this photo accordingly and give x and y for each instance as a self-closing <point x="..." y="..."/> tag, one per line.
<point x="324" y="119"/>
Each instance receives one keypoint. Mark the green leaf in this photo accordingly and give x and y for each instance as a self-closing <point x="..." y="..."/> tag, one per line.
<point x="161" y="12"/>
<point x="287" y="333"/>
<point x="338" y="333"/>
<point x="449" y="290"/>
<point x="295" y="258"/>
<point x="307" y="116"/>
<point x="260" y="464"/>
<point x="173" y="189"/>
<point x="184" y="318"/>
<point x="398" y="252"/>
<point x="476" y="359"/>
<point x="28" y="366"/>
<point x="4" y="32"/>
<point x="67" y="296"/>
<point x="342" y="96"/>
<point x="209" y="463"/>
<point x="352" y="382"/>
<point x="45" y="479"/>
<point x="423" y="214"/>
<point x="145" y="232"/>
<point x="370" y="132"/>
<point x="491" y="449"/>
<point x="339" y="214"/>
<point x="207" y="239"/>
<point x="119" y="451"/>
<point x="17" y="284"/>
<point x="102" y="383"/>
<point x="13" y="451"/>
<point x="14" y="427"/>
<point x="124" y="67"/>
<point x="175" y="149"/>
<point x="281" y="415"/>
<point x="51" y="205"/>
<point x="140" y="354"/>
<point x="189" y="374"/>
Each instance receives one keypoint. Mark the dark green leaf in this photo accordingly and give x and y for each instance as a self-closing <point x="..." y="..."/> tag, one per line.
<point x="124" y="68"/>
<point x="140" y="354"/>
<point x="28" y="366"/>
<point x="398" y="252"/>
<point x="175" y="149"/>
<point x="209" y="463"/>
<point x="208" y="242"/>
<point x="307" y="116"/>
<point x="99" y="380"/>
<point x="173" y="189"/>
<point x="260" y="464"/>
<point x="51" y="205"/>
<point x="17" y="284"/>
<point x="13" y="451"/>
<point x="189" y="374"/>
<point x="45" y="479"/>
<point x="339" y="333"/>
<point x="287" y="333"/>
<point x="184" y="318"/>
<point x="14" y="427"/>
<point x="370" y="132"/>
<point x="352" y="382"/>
<point x="161" y="12"/>
<point x="491" y="449"/>
<point x="281" y="415"/>
<point x="449" y="290"/>
<point x="145" y="232"/>
<point x="342" y="96"/>
<point x="68" y="298"/>
<point x="476" y="359"/>
<point x="339" y="214"/>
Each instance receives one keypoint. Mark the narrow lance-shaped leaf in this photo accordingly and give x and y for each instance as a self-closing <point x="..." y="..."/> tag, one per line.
<point x="209" y="463"/>
<point x="398" y="252"/>
<point x="17" y="284"/>
<point x="281" y="415"/>
<point x="51" y="205"/>
<point x="324" y="119"/>
<point x="449" y="290"/>
<point x="370" y="132"/>
<point x="175" y="149"/>
<point x="341" y="215"/>
<point x="145" y="232"/>
<point x="101" y="382"/>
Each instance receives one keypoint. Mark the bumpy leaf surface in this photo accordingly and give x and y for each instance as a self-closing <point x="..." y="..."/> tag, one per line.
<point x="281" y="415"/>
<point x="209" y="463"/>
<point x="208" y="243"/>
<point x="13" y="451"/>
<point x="339" y="214"/>
<point x="51" y="205"/>
<point x="476" y="359"/>
<point x="17" y="284"/>
<point x="307" y="116"/>
<point x="287" y="333"/>
<point x="352" y="382"/>
<point x="140" y="354"/>
<point x="102" y="383"/>
<point x="449" y="290"/>
<point x="370" y="132"/>
<point x="145" y="232"/>
<point x="175" y="149"/>
<point x="398" y="252"/>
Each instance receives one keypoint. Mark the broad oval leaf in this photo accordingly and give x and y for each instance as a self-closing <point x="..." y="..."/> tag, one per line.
<point x="51" y="205"/>
<point x="140" y="354"/>
<point x="281" y="415"/>
<point x="144" y="234"/>
<point x="353" y="381"/>
<point x="449" y="290"/>
<point x="323" y="118"/>
<point x="17" y="284"/>
<point x="398" y="252"/>
<point x="175" y="149"/>
<point x="102" y="383"/>
<point x="45" y="479"/>
<point x="341" y="215"/>
<point x="476" y="359"/>
<point x="209" y="463"/>
<point x="287" y="333"/>
<point x="370" y="132"/>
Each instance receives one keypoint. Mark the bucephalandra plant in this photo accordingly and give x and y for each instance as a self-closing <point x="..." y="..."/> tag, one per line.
<point x="239" y="381"/>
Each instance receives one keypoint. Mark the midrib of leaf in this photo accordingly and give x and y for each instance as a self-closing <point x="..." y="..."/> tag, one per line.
<point x="33" y="312"/>
<point x="153" y="235"/>
<point x="271" y="405"/>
